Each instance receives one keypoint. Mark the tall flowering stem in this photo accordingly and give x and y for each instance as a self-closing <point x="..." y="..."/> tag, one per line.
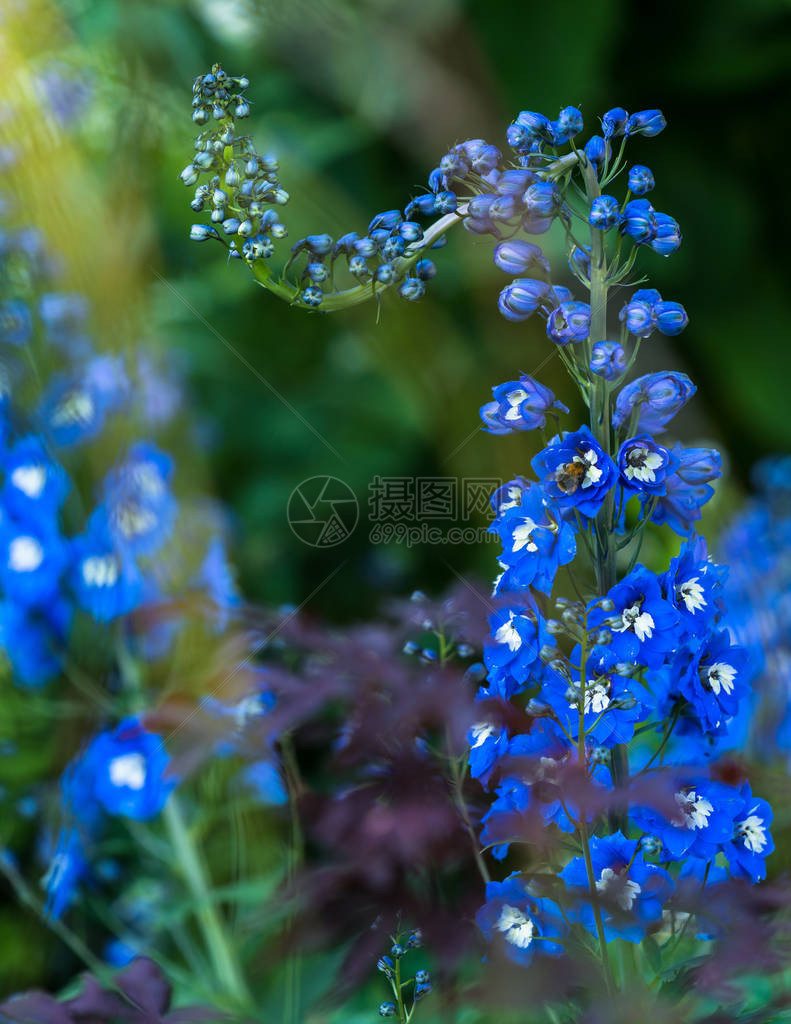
<point x="628" y="696"/>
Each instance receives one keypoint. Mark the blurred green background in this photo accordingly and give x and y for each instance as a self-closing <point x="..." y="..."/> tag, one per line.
<point x="360" y="100"/>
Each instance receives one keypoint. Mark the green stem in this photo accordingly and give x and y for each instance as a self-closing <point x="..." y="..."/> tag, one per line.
<point x="600" y="427"/>
<point x="217" y="944"/>
<point x="334" y="301"/>
<point x="582" y="824"/>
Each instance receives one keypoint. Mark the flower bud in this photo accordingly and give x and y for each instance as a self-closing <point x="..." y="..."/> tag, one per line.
<point x="538" y="708"/>
<point x="568" y="124"/>
<point x="412" y="289"/>
<point x="312" y="296"/>
<point x="359" y="268"/>
<point x="543" y="199"/>
<point x="600" y="755"/>
<point x="638" y="221"/>
<point x="393" y="247"/>
<point x="517" y="257"/>
<point x="385" y="273"/>
<point x="506" y="208"/>
<point x="646" y="122"/>
<point x="604" y="213"/>
<point x="555" y="627"/>
<point x="231" y="225"/>
<point x="547" y="653"/>
<point x="397" y="950"/>
<point x="388" y="220"/>
<point x="410" y="231"/>
<point x="387" y="1009"/>
<point x="319" y="245"/>
<point x="410" y="647"/>
<point x="425" y="269"/>
<point x="614" y="122"/>
<point x="606" y="604"/>
<point x="671" y="318"/>
<point x="190" y="175"/>
<point x="658" y="396"/>
<point x="596" y="152"/>
<point x="475" y="673"/>
<point x="522" y="298"/>
<point x="515" y="181"/>
<point x="570" y="322"/>
<point x="536" y="125"/>
<point x="317" y="272"/>
<point x="651" y="845"/>
<point x="232" y="177"/>
<point x="200" y="232"/>
<point x="446" y="202"/>
<point x="242" y="109"/>
<point x="668" y="235"/>
<point x="422" y="977"/>
<point x="608" y="360"/>
<point x="573" y="695"/>
<point x="641" y="180"/>
<point x="626" y="702"/>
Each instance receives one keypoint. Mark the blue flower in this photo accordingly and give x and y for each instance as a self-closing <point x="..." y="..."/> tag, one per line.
<point x="644" y="466"/>
<point x="570" y="322"/>
<point x="519" y="405"/>
<point x="632" y="893"/>
<point x="32" y="558"/>
<point x="488" y="743"/>
<point x="106" y="583"/>
<point x="752" y="841"/>
<point x="714" y="678"/>
<point x="703" y="819"/>
<point x="611" y="704"/>
<point x="687" y="488"/>
<point x="139" y="506"/>
<point x="693" y="584"/>
<point x="35" y="485"/>
<point x="508" y="495"/>
<point x="124" y="771"/>
<point x="576" y="472"/>
<point x="512" y="655"/>
<point x="597" y="150"/>
<point x="34" y="639"/>
<point x="535" y="543"/>
<point x="649" y="623"/>
<point x="523" y="923"/>
<point x="608" y="360"/>
<point x="656" y="397"/>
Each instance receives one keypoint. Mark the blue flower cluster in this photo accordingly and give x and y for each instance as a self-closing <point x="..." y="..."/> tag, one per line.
<point x="72" y="562"/>
<point x="640" y="681"/>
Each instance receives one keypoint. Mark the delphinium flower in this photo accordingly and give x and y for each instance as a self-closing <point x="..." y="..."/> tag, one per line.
<point x="598" y="724"/>
<point x="407" y="992"/>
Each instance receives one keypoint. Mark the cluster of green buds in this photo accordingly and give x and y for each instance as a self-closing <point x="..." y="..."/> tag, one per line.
<point x="240" y="186"/>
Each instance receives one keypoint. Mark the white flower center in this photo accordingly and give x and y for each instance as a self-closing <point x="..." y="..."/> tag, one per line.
<point x="752" y="832"/>
<point x="516" y="926"/>
<point x="691" y="593"/>
<point x="30" y="479"/>
<point x="625" y="891"/>
<point x="640" y="622"/>
<point x="695" y="810"/>
<point x="512" y="499"/>
<point x="597" y="696"/>
<point x="720" y="677"/>
<point x="514" y="399"/>
<point x="592" y="472"/>
<point x="76" y="407"/>
<point x="148" y="479"/>
<point x="641" y="464"/>
<point x="507" y="634"/>
<point x="522" y="535"/>
<point x="481" y="732"/>
<point x="25" y="554"/>
<point x="100" y="571"/>
<point x="128" y="770"/>
<point x="134" y="519"/>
